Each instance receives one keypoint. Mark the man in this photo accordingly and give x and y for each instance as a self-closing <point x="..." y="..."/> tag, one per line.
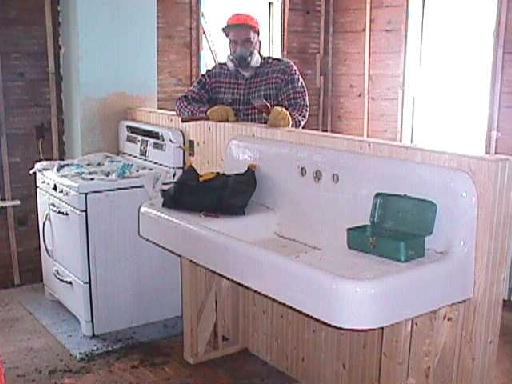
<point x="248" y="87"/>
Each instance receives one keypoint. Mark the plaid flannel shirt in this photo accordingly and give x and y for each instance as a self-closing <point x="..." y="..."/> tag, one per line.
<point x="277" y="81"/>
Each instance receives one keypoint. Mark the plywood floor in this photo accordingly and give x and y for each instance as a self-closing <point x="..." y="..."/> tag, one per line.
<point x="32" y="355"/>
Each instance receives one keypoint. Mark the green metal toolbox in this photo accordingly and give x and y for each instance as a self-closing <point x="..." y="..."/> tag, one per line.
<point x="398" y="227"/>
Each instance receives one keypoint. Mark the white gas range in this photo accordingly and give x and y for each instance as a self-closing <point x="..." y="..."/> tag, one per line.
<point x="93" y="260"/>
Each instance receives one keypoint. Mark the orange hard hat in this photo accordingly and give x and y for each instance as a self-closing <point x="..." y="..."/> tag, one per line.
<point x="242" y="20"/>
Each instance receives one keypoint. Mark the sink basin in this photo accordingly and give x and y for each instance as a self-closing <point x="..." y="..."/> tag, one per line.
<point x="291" y="243"/>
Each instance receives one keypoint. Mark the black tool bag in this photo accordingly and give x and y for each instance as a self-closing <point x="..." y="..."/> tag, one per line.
<point x="222" y="194"/>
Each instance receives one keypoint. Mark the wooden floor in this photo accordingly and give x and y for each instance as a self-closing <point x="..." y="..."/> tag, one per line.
<point x="33" y="356"/>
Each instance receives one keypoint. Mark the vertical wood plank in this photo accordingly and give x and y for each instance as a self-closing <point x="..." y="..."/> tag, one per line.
<point x="7" y="186"/>
<point x="367" y="34"/>
<point x="320" y="60"/>
<point x="434" y="346"/>
<point x="50" y="44"/>
<point x="195" y="38"/>
<point x="207" y="316"/>
<point x="508" y="239"/>
<point x="403" y="52"/>
<point x="286" y="19"/>
<point x="330" y="66"/>
<point x="342" y="369"/>
<point x="492" y="264"/>
<point x="395" y="353"/>
<point x="492" y="134"/>
<point x="189" y="309"/>
<point x="498" y="267"/>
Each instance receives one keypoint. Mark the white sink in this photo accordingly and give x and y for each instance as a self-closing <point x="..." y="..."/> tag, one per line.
<point x="291" y="244"/>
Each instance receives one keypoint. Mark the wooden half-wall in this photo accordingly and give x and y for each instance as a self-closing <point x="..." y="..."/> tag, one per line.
<point x="455" y="344"/>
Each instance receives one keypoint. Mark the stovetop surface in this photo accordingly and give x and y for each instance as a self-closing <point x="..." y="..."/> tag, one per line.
<point x="102" y="171"/>
<point x="104" y="167"/>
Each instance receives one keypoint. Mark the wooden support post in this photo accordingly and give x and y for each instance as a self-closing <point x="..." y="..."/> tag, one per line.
<point x="320" y="60"/>
<point x="330" y="44"/>
<point x="50" y="44"/>
<point x="324" y="65"/>
<point x="367" y="47"/>
<point x="286" y="17"/>
<point x="493" y="132"/>
<point x="189" y="320"/>
<point x="400" y="103"/>
<point x="211" y="314"/>
<point x="195" y="38"/>
<point x="7" y="186"/>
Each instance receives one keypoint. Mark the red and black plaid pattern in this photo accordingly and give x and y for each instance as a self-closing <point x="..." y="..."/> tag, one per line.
<point x="277" y="81"/>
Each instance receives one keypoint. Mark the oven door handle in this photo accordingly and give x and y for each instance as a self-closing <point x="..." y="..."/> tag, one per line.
<point x="61" y="278"/>
<point x="57" y="210"/>
<point x="45" y="245"/>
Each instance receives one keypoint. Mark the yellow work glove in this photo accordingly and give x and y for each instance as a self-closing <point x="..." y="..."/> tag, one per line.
<point x="279" y="118"/>
<point x="208" y="176"/>
<point x="221" y="113"/>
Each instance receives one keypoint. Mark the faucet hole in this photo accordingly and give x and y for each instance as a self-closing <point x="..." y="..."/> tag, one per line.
<point x="303" y="171"/>
<point x="335" y="178"/>
<point x="317" y="176"/>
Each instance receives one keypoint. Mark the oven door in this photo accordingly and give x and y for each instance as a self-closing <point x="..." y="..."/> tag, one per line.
<point x="71" y="292"/>
<point x="63" y="233"/>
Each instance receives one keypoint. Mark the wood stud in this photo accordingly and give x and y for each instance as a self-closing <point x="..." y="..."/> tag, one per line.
<point x="50" y="45"/>
<point x="492" y="135"/>
<point x="367" y="48"/>
<point x="4" y="159"/>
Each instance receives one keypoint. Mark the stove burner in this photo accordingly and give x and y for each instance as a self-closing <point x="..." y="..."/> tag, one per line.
<point x="99" y="167"/>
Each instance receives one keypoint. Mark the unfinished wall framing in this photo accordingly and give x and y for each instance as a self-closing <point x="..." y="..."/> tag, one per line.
<point x="350" y="53"/>
<point x="368" y="67"/>
<point x="178" y="49"/>
<point x="31" y="117"/>
<point x="455" y="344"/>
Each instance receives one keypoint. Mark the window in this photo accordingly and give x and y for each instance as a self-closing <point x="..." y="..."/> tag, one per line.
<point x="449" y="61"/>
